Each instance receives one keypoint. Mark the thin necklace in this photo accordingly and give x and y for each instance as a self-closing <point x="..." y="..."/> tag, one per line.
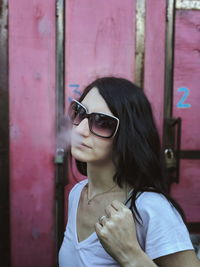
<point x="89" y="200"/>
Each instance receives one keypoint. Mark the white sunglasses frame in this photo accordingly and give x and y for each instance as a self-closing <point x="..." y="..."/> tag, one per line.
<point x="74" y="100"/>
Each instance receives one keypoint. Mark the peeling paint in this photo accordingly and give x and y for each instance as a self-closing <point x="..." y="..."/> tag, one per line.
<point x="38" y="12"/>
<point x="44" y="27"/>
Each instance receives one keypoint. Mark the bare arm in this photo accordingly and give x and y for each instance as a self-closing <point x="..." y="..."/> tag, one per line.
<point x="138" y="259"/>
<point x="185" y="258"/>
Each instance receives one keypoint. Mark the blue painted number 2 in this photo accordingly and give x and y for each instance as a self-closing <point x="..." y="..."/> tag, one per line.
<point x="181" y="103"/>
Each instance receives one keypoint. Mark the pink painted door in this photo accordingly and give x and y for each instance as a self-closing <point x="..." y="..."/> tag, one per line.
<point x="186" y="97"/>
<point x="100" y="40"/>
<point x="32" y="132"/>
<point x="110" y="49"/>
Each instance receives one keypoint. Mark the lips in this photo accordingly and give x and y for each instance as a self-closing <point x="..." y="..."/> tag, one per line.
<point x="82" y="144"/>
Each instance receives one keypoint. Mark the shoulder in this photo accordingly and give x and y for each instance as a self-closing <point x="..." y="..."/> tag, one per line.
<point x="77" y="187"/>
<point x="80" y="184"/>
<point x="74" y="194"/>
<point x="154" y="204"/>
<point x="150" y="198"/>
<point x="157" y="211"/>
<point x="162" y="230"/>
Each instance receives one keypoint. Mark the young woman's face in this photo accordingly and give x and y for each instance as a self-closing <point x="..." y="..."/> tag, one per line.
<point x="93" y="148"/>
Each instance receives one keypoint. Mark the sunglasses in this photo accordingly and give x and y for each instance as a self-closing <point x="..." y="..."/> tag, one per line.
<point x="100" y="124"/>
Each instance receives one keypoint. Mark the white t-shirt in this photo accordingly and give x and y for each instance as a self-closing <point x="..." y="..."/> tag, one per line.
<point x="161" y="233"/>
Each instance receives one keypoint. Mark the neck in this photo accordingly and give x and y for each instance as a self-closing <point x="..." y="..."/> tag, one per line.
<point x="100" y="178"/>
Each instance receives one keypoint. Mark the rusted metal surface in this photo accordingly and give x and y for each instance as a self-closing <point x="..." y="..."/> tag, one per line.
<point x="169" y="59"/>
<point x="60" y="39"/>
<point x="188" y="4"/>
<point x="4" y="138"/>
<point x="60" y="173"/>
<point x="140" y="42"/>
<point x="168" y="130"/>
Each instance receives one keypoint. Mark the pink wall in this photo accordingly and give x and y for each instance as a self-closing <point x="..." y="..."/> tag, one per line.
<point x="32" y="131"/>
<point x="187" y="73"/>
<point x="186" y="105"/>
<point x="100" y="40"/>
<point x="109" y="48"/>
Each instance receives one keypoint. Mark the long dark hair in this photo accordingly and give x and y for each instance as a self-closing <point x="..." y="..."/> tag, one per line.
<point x="139" y="160"/>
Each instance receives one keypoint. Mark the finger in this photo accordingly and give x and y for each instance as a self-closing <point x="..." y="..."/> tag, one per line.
<point x="102" y="220"/>
<point x="110" y="211"/>
<point x="117" y="205"/>
<point x="98" y="227"/>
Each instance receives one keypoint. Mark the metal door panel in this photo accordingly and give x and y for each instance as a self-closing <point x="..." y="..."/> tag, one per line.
<point x="186" y="77"/>
<point x="186" y="96"/>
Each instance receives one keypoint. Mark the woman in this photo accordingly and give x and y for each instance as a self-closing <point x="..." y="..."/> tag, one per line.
<point x="121" y="214"/>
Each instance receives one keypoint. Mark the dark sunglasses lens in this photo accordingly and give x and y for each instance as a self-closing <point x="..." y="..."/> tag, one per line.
<point x="76" y="113"/>
<point x="103" y="125"/>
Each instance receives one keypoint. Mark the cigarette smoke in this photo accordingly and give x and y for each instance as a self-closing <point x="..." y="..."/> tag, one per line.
<point x="67" y="135"/>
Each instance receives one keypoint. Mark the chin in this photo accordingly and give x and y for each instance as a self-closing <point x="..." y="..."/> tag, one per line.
<point x="78" y="154"/>
<point x="84" y="155"/>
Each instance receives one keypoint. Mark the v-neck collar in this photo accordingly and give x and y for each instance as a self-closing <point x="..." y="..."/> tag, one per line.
<point x="92" y="236"/>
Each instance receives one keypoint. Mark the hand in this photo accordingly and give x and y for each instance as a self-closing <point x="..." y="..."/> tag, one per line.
<point x="116" y="232"/>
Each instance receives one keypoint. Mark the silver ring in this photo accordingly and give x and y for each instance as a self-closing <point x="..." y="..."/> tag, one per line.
<point x="102" y="218"/>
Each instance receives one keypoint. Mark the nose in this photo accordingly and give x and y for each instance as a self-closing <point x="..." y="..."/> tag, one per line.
<point x="83" y="128"/>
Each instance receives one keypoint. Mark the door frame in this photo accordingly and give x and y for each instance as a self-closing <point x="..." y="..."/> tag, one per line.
<point x="4" y="138"/>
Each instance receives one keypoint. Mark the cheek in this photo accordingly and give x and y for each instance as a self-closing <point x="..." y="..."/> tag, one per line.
<point x="76" y="152"/>
<point x="103" y="148"/>
<point x="82" y="154"/>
